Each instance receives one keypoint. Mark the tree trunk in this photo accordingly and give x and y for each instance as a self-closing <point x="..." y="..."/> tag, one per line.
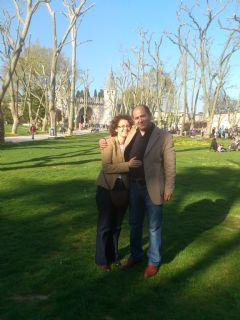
<point x="72" y="95"/>
<point x="209" y="127"/>
<point x="29" y="103"/>
<point x="15" y="124"/>
<point x="53" y="121"/>
<point x="2" y="131"/>
<point x="14" y="107"/>
<point x="52" y="96"/>
<point x="44" y="124"/>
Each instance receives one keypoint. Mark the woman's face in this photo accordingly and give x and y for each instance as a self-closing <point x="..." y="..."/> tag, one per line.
<point x="123" y="128"/>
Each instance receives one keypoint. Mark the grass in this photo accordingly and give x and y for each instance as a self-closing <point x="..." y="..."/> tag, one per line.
<point x="48" y="227"/>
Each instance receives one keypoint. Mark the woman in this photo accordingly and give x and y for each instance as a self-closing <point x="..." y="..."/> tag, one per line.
<point x="114" y="174"/>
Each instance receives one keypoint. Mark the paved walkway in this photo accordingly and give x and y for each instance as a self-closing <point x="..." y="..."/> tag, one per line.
<point x="17" y="139"/>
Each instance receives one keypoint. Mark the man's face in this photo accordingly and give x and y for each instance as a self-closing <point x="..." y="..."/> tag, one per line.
<point x="141" y="118"/>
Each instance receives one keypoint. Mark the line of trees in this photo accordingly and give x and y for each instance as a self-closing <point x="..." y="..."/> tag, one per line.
<point x="201" y="74"/>
<point x="35" y="78"/>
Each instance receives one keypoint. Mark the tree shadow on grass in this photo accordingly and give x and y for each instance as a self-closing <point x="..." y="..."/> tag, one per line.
<point x="71" y="142"/>
<point x="127" y="295"/>
<point x="192" y="149"/>
<point x="38" y="206"/>
<point x="170" y="296"/>
<point x="44" y="229"/>
<point x="32" y="144"/>
<point x="66" y="158"/>
<point x="194" y="220"/>
<point x="190" y="221"/>
<point x="49" y="250"/>
<point x="47" y="162"/>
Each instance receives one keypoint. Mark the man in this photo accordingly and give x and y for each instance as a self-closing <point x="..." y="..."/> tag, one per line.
<point x="150" y="185"/>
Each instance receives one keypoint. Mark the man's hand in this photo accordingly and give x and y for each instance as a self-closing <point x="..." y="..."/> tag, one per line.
<point x="134" y="163"/>
<point x="167" y="196"/>
<point x="102" y="143"/>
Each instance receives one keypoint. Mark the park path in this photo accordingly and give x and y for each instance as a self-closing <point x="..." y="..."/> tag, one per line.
<point x="17" y="139"/>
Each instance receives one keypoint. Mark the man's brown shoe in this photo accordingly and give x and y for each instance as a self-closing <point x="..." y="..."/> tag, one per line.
<point x="129" y="264"/>
<point x="150" y="271"/>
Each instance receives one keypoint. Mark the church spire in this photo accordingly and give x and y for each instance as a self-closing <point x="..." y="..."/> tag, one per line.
<point x="109" y="98"/>
<point x="110" y="83"/>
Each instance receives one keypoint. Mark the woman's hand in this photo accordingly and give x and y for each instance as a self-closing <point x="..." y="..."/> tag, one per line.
<point x="167" y="196"/>
<point x="134" y="163"/>
<point x="102" y="143"/>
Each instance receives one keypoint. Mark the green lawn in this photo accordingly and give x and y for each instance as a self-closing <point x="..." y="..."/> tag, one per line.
<point x="21" y="130"/>
<point x="48" y="227"/>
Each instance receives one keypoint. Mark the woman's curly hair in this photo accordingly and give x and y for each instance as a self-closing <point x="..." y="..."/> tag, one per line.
<point x="115" y="122"/>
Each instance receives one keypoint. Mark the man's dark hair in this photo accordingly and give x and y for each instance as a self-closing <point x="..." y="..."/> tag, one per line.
<point x="145" y="107"/>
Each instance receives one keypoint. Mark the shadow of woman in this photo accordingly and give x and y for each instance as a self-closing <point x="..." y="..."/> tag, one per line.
<point x="195" y="219"/>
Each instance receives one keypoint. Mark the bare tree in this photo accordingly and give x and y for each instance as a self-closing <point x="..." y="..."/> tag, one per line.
<point x="158" y="74"/>
<point x="33" y="81"/>
<point x="143" y="76"/>
<point x="85" y="82"/>
<point x="13" y="46"/>
<point x="171" y="106"/>
<point x="213" y="72"/>
<point x="63" y="94"/>
<point x="183" y="49"/>
<point x="71" y="8"/>
<point x="33" y="72"/>
<point x="57" y="48"/>
<point x="123" y="97"/>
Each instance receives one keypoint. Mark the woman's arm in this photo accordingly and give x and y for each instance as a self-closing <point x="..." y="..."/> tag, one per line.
<point x="117" y="167"/>
<point x="107" y="160"/>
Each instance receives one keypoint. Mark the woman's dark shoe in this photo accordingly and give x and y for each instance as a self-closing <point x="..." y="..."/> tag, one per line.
<point x="105" y="268"/>
<point x="118" y="264"/>
<point x="130" y="263"/>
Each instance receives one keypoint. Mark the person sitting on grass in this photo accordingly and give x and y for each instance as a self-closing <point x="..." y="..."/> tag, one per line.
<point x="235" y="145"/>
<point x="221" y="148"/>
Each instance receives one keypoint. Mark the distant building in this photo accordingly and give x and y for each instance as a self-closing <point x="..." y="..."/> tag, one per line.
<point x="220" y="120"/>
<point x="98" y="110"/>
<point x="226" y="120"/>
<point x="101" y="110"/>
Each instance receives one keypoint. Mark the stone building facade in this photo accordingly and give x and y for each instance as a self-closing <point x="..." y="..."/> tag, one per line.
<point x="98" y="110"/>
<point x="101" y="110"/>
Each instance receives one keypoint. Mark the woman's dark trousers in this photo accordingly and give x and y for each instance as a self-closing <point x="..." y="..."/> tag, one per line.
<point x="108" y="228"/>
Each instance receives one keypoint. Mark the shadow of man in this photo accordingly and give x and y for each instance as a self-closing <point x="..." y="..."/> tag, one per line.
<point x="195" y="219"/>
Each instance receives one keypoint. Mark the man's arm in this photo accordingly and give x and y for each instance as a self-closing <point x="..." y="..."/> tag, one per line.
<point x="167" y="196"/>
<point x="169" y="167"/>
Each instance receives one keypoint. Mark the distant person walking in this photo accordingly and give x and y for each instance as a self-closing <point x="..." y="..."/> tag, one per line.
<point x="32" y="130"/>
<point x="202" y="132"/>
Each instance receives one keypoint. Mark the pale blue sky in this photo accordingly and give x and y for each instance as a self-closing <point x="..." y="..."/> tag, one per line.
<point x="112" y="28"/>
